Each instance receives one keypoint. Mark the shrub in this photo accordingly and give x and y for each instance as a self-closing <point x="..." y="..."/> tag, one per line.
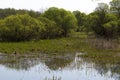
<point x="19" y="28"/>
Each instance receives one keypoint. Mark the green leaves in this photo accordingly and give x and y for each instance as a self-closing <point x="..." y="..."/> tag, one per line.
<point x="64" y="19"/>
<point x="53" y="23"/>
<point x="50" y="29"/>
<point x="19" y="28"/>
<point x="111" y="29"/>
<point x="81" y="19"/>
<point x="115" y="7"/>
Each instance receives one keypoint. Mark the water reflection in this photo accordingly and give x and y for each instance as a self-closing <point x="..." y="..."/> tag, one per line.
<point x="109" y="69"/>
<point x="59" y="67"/>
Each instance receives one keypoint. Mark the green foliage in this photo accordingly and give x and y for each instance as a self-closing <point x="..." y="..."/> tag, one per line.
<point x="50" y="29"/>
<point x="115" y="7"/>
<point x="111" y="29"/>
<point x="10" y="11"/>
<point x="19" y="28"/>
<point x="118" y="28"/>
<point x="64" y="19"/>
<point x="81" y="19"/>
<point x="6" y="12"/>
<point x="103" y="24"/>
<point x="50" y="46"/>
<point x="21" y="25"/>
<point x="90" y="20"/>
<point x="102" y="7"/>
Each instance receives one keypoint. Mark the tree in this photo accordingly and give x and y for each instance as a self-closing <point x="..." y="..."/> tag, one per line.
<point x="111" y="29"/>
<point x="104" y="24"/>
<point x="10" y="11"/>
<point x="81" y="19"/>
<point x="102" y="7"/>
<point x="64" y="19"/>
<point x="50" y="29"/>
<point x="100" y="19"/>
<point x="115" y="6"/>
<point x="90" y="22"/>
<point x="6" y="12"/>
<point x="34" y="14"/>
<point x="19" y="28"/>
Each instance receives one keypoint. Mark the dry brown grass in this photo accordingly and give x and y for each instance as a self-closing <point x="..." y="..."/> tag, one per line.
<point x="103" y="43"/>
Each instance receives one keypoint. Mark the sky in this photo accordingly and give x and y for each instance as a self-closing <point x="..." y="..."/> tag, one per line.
<point x="86" y="6"/>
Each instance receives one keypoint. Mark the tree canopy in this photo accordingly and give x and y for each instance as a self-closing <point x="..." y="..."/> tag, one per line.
<point x="64" y="19"/>
<point x="21" y="25"/>
<point x="19" y="28"/>
<point x="115" y="6"/>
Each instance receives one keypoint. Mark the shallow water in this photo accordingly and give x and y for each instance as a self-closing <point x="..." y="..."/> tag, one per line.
<point x="57" y="68"/>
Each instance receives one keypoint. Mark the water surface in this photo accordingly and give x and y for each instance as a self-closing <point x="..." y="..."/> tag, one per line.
<point x="67" y="67"/>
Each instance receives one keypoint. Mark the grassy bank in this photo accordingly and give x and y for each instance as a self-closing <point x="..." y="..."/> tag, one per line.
<point x="78" y="42"/>
<point x="62" y="45"/>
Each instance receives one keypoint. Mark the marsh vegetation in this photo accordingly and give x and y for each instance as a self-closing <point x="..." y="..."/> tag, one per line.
<point x="59" y="42"/>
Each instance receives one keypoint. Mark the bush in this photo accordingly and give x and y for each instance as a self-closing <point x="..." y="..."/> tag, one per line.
<point x="50" y="29"/>
<point x="19" y="28"/>
<point x="111" y="29"/>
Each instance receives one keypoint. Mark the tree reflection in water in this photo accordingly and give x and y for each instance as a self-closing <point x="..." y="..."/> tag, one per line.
<point x="67" y="62"/>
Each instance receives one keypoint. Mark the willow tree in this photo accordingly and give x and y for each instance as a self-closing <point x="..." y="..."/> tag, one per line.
<point x="19" y="28"/>
<point x="64" y="19"/>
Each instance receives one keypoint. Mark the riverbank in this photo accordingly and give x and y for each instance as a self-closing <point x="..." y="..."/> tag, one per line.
<point x="61" y="45"/>
<point x="56" y="48"/>
<point x="77" y="42"/>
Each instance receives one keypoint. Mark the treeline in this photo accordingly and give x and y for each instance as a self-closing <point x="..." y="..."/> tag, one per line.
<point x="22" y="25"/>
<point x="104" y="22"/>
<point x="11" y="11"/>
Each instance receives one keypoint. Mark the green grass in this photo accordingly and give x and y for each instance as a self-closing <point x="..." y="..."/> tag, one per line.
<point x="62" y="45"/>
<point x="78" y="42"/>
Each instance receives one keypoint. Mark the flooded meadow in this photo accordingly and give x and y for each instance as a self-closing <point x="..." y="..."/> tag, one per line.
<point x="58" y="67"/>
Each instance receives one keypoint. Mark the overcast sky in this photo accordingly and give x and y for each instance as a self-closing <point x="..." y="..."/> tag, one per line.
<point x="86" y="6"/>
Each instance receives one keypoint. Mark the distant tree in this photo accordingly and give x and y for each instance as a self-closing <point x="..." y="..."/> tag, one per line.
<point x="10" y="11"/>
<point x="100" y="19"/>
<point x="34" y="14"/>
<point x="90" y="22"/>
<point x="102" y="7"/>
<point x="115" y="7"/>
<point x="104" y="24"/>
<point x="21" y="11"/>
<point x="6" y="12"/>
<point x="64" y="19"/>
<point x="81" y="18"/>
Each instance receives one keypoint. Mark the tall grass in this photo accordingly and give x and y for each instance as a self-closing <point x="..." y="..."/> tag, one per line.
<point x="62" y="45"/>
<point x="103" y="43"/>
<point x="77" y="42"/>
<point x="97" y="50"/>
